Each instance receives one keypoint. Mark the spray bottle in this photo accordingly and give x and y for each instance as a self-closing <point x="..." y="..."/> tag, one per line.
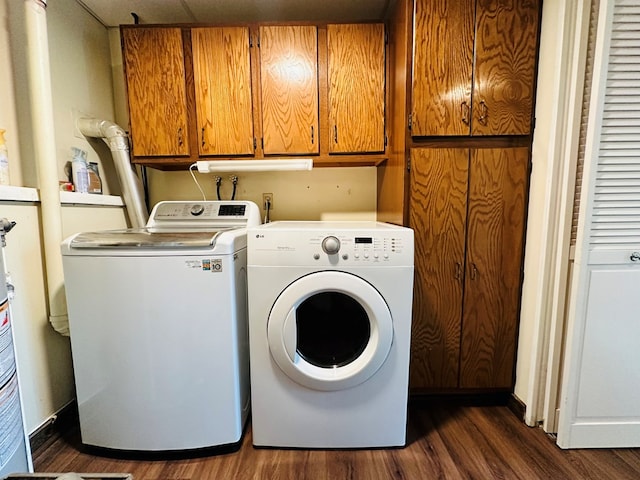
<point x="79" y="170"/>
<point x="4" y="161"/>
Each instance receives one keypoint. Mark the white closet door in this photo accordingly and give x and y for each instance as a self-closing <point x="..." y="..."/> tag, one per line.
<point x="601" y="382"/>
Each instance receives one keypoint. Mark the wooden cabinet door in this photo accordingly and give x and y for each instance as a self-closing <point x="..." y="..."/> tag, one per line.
<point x="498" y="182"/>
<point x="356" y="72"/>
<point x="289" y="89"/>
<point x="442" y="67"/>
<point x="504" y="76"/>
<point x="222" y="77"/>
<point x="438" y="206"/>
<point x="501" y="71"/>
<point x="156" y="89"/>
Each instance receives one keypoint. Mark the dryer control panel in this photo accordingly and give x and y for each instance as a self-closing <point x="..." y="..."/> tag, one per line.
<point x="330" y="244"/>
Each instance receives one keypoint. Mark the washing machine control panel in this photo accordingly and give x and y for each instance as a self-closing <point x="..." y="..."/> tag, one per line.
<point x="382" y="246"/>
<point x="204" y="214"/>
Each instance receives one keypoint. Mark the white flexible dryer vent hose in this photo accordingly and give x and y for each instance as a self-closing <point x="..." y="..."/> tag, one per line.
<point x="132" y="190"/>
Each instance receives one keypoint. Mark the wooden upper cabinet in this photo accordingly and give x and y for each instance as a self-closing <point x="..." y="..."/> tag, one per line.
<point x="455" y="93"/>
<point x="289" y="89"/>
<point x="156" y="89"/>
<point x="442" y="67"/>
<point x="506" y="45"/>
<point x="356" y="74"/>
<point x="222" y="78"/>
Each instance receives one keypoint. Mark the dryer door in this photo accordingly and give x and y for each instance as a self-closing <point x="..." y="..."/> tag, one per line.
<point x="330" y="330"/>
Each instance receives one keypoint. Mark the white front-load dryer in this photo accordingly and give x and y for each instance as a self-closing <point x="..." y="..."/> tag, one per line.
<point x="329" y="331"/>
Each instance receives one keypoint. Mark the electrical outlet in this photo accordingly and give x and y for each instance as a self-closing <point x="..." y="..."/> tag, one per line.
<point x="267" y="197"/>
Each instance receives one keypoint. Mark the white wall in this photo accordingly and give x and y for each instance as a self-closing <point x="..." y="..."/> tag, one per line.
<point x="321" y="194"/>
<point x="81" y="80"/>
<point x="8" y="114"/>
<point x="43" y="355"/>
<point x="535" y="258"/>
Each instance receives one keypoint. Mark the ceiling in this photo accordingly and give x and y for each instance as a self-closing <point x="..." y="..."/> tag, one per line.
<point x="117" y="12"/>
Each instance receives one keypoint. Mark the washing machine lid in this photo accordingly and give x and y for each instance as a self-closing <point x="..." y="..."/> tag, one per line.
<point x="147" y="238"/>
<point x="175" y="228"/>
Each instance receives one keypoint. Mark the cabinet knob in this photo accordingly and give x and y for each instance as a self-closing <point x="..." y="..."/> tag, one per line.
<point x="312" y="135"/>
<point x="180" y="139"/>
<point x="203" y="137"/>
<point x="335" y="134"/>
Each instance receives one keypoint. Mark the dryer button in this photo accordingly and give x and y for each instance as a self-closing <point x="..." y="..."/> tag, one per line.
<point x="331" y="245"/>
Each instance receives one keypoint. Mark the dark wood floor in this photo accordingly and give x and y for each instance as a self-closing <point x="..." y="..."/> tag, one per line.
<point x="446" y="440"/>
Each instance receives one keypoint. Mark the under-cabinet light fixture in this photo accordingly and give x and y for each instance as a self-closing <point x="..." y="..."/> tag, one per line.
<point x="269" y="165"/>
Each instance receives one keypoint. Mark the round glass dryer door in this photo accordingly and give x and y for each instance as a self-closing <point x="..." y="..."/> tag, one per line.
<point x="330" y="330"/>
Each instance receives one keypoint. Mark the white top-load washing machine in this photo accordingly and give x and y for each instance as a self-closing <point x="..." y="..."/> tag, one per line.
<point x="329" y="326"/>
<point x="158" y="327"/>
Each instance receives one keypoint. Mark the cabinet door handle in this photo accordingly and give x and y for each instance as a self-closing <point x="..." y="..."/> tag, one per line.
<point x="458" y="274"/>
<point x="312" y="135"/>
<point x="180" y="140"/>
<point x="335" y="134"/>
<point x="465" y="112"/>
<point x="202" y="137"/>
<point x="474" y="271"/>
<point x="484" y="112"/>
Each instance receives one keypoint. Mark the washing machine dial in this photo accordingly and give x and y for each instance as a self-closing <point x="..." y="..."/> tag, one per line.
<point x="331" y="245"/>
<point x="197" y="209"/>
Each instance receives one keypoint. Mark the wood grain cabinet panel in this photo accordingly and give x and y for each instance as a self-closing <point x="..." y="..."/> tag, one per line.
<point x="222" y="78"/>
<point x="467" y="208"/>
<point x="504" y="80"/>
<point x="289" y="89"/>
<point x="498" y="185"/>
<point x="156" y="90"/>
<point x="356" y="73"/>
<point x="438" y="209"/>
<point x="458" y="93"/>
<point x="442" y="67"/>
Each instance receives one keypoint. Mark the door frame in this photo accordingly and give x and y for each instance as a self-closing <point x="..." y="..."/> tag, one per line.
<point x="564" y="37"/>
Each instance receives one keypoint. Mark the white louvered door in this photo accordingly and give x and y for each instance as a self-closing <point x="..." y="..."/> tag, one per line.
<point x="601" y="383"/>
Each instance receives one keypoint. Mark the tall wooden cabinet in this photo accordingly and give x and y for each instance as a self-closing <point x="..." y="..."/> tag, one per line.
<point x="156" y="88"/>
<point x="474" y="67"/>
<point x="470" y="67"/>
<point x="467" y="208"/>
